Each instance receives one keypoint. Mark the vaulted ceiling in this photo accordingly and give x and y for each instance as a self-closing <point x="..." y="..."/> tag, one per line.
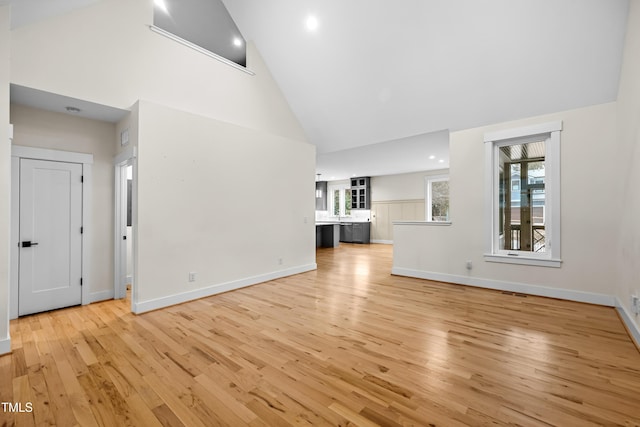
<point x="398" y="73"/>
<point x="392" y="75"/>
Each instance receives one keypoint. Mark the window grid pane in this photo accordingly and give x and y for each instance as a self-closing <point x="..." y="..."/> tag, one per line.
<point x="347" y="202"/>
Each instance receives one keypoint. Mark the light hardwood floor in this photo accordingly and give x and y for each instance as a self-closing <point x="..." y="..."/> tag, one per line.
<point x="348" y="344"/>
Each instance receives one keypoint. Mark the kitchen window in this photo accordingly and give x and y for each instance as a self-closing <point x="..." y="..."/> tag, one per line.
<point x="437" y="198"/>
<point x="339" y="200"/>
<point x="522" y="195"/>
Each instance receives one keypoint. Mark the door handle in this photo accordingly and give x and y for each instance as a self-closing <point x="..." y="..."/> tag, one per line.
<point x="28" y="244"/>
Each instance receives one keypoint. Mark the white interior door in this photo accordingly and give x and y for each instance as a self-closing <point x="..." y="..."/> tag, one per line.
<point x="50" y="258"/>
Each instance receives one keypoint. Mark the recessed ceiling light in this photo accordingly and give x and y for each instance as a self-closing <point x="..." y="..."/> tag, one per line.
<point x="440" y="161"/>
<point x="312" y="23"/>
<point x="237" y="41"/>
<point x="431" y="157"/>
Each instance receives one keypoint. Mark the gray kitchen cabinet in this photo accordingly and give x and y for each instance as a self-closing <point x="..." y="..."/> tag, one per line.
<point x="355" y="232"/>
<point x="346" y="232"/>
<point x="361" y="193"/>
<point x="361" y="232"/>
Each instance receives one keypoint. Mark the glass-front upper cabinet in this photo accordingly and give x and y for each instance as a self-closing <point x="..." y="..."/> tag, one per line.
<point x="361" y="193"/>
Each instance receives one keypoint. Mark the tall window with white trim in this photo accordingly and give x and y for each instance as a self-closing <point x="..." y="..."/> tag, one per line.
<point x="339" y="200"/>
<point x="523" y="195"/>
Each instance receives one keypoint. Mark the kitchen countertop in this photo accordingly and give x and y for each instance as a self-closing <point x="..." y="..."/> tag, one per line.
<point x="340" y="222"/>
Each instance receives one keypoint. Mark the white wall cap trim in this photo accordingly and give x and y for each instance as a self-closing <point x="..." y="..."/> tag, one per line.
<point x="538" y="129"/>
<point x="523" y="260"/>
<point x="428" y="223"/>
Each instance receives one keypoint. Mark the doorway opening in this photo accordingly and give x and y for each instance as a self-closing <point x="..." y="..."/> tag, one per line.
<point x="125" y="226"/>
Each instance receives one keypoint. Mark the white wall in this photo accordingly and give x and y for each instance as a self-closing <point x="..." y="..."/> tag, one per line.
<point x="205" y="188"/>
<point x="87" y="57"/>
<point x="129" y="124"/>
<point x="57" y="131"/>
<point x="105" y="53"/>
<point x="407" y="186"/>
<point x="5" y="178"/>
<point x="397" y="198"/>
<point x="628" y="175"/>
<point x="589" y="177"/>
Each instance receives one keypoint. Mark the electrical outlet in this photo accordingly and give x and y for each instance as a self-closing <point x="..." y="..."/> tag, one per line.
<point x="192" y="276"/>
<point x="635" y="304"/>
<point x="469" y="265"/>
<point x="280" y="261"/>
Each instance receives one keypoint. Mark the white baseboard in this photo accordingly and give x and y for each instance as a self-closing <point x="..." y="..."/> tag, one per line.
<point x="154" y="304"/>
<point x="543" y="291"/>
<point x="384" y="242"/>
<point x="5" y="346"/>
<point x="633" y="328"/>
<point x="101" y="296"/>
<point x="92" y="297"/>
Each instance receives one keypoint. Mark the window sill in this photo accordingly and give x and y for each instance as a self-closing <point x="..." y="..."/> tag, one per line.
<point x="523" y="260"/>
<point x="421" y="222"/>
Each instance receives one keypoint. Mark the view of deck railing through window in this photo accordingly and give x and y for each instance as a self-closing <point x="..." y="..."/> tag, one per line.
<point x="522" y="197"/>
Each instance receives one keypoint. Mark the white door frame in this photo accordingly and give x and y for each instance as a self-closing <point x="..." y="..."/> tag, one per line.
<point x="19" y="152"/>
<point x="126" y="158"/>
